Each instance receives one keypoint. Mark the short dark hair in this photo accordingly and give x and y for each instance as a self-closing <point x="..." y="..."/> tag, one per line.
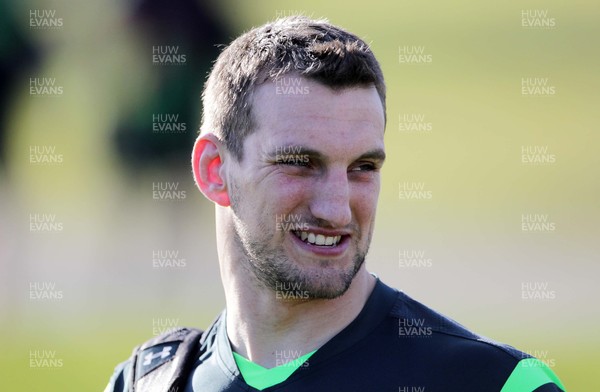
<point x="314" y="49"/>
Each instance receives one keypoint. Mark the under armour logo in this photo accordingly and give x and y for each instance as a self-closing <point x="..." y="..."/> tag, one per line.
<point x="155" y="356"/>
<point x="166" y="352"/>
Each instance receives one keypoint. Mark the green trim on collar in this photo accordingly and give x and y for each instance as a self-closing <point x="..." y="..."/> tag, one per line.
<point x="260" y="378"/>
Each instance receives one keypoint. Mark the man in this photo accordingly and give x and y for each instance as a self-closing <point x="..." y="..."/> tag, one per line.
<point x="290" y="152"/>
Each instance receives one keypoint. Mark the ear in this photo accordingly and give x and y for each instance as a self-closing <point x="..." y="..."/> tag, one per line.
<point x="207" y="163"/>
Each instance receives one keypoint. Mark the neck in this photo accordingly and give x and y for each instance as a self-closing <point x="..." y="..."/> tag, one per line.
<point x="262" y="327"/>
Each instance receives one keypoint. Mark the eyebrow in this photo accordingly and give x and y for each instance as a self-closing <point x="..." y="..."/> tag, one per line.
<point x="376" y="154"/>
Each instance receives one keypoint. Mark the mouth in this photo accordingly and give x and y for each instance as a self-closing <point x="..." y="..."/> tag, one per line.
<point x="317" y="239"/>
<point x="321" y="243"/>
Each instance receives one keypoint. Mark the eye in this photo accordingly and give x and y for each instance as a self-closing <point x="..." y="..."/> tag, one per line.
<point x="364" y="167"/>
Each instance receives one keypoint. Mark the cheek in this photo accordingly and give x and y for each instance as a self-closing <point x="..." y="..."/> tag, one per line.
<point x="288" y="192"/>
<point x="263" y="200"/>
<point x="281" y="199"/>
<point x="363" y="201"/>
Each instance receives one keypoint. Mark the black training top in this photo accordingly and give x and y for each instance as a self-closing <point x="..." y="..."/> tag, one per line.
<point x="395" y="344"/>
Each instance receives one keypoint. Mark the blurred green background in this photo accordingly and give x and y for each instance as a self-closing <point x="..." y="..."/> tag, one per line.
<point x="103" y="228"/>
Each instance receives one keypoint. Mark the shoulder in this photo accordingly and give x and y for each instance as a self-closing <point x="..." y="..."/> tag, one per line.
<point x="153" y="361"/>
<point x="119" y="381"/>
<point x="414" y="317"/>
<point x="450" y="345"/>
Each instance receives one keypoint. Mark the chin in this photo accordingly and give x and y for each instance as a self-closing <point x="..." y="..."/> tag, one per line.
<point x="328" y="283"/>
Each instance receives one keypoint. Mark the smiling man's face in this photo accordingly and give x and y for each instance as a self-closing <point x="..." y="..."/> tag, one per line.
<point x="305" y="193"/>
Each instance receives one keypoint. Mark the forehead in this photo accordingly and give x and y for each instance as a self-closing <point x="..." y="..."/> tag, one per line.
<point x="295" y="110"/>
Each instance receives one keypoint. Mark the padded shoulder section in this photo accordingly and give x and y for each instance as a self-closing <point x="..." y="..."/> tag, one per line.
<point x="120" y="378"/>
<point x="162" y="364"/>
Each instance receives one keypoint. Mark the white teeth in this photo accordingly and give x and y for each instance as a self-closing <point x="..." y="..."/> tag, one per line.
<point x="318" y="239"/>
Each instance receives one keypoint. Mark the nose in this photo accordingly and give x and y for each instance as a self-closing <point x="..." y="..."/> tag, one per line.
<point x="330" y="201"/>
